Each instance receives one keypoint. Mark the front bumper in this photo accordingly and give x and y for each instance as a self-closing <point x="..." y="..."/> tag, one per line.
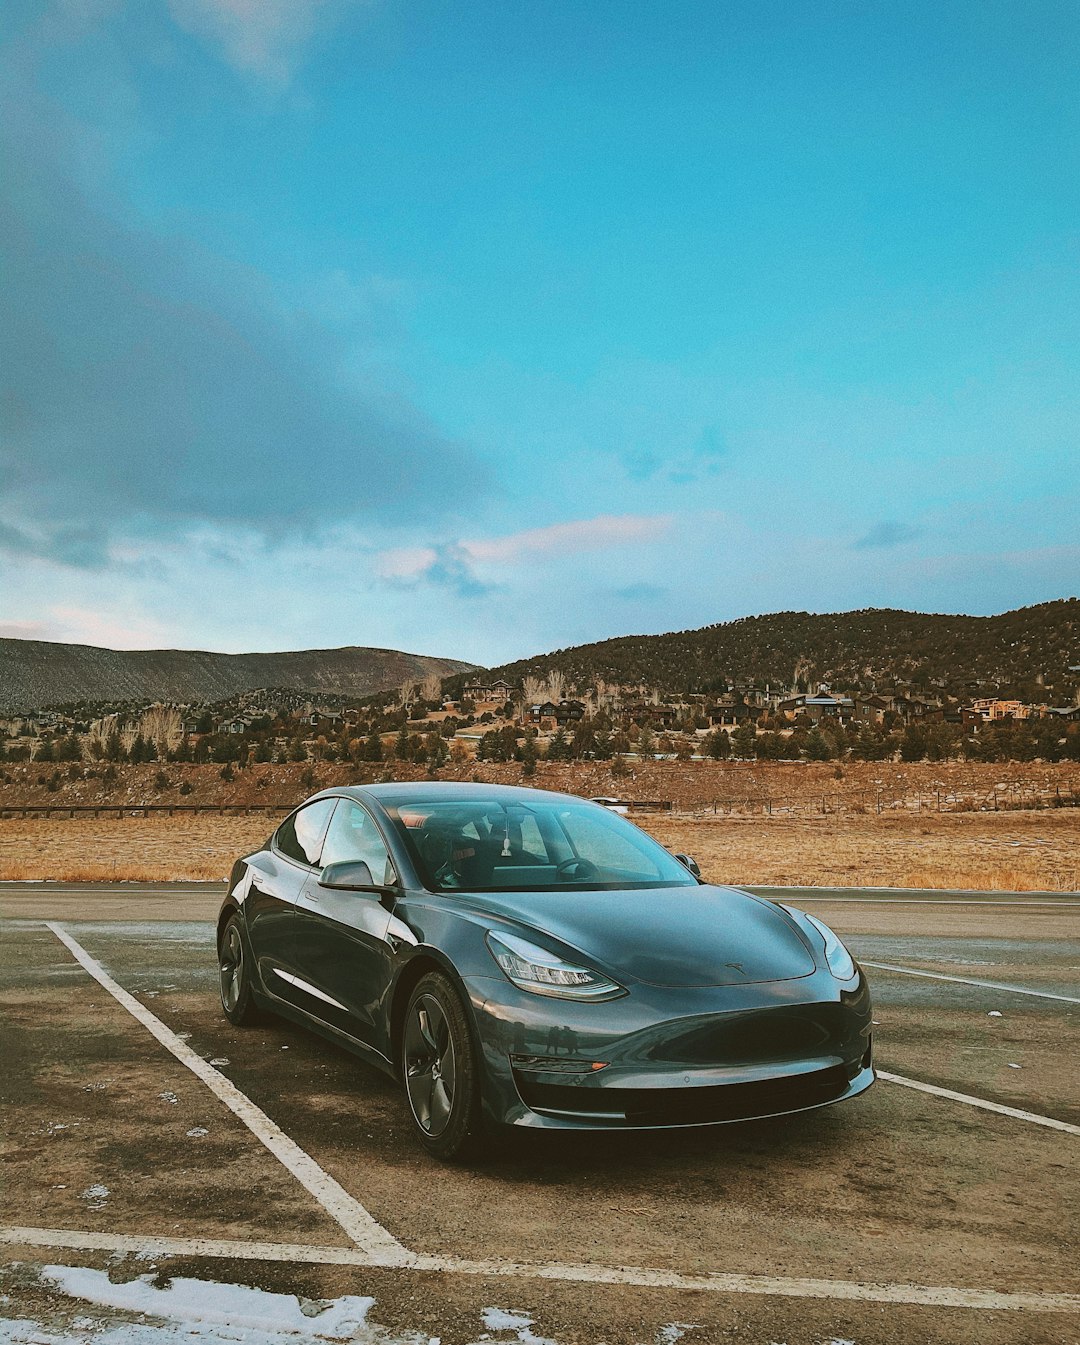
<point x="670" y="1058"/>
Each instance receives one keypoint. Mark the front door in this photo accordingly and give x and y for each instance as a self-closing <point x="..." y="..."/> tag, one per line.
<point x="342" y="950"/>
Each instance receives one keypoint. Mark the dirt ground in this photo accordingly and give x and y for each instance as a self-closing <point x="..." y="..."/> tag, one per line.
<point x="1006" y="851"/>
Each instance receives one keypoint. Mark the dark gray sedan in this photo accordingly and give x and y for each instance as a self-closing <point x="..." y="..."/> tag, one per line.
<point x="531" y="959"/>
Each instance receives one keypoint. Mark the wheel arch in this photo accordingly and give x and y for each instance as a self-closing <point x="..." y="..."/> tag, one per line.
<point x="425" y="960"/>
<point x="228" y="910"/>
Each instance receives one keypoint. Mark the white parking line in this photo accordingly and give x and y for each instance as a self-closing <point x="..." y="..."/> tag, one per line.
<point x="343" y="1208"/>
<point x="969" y="980"/>
<point x="1017" y="1115"/>
<point x="925" y="1295"/>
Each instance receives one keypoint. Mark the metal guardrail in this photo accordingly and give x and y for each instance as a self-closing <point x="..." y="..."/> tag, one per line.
<point x="140" y="809"/>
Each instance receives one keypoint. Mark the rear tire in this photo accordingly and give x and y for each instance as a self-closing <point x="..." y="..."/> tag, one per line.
<point x="440" y="1070"/>
<point x="234" y="976"/>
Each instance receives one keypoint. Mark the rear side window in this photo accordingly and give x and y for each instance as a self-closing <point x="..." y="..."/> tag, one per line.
<point x="300" y="837"/>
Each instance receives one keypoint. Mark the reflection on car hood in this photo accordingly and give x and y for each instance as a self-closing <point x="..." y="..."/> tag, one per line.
<point x="673" y="936"/>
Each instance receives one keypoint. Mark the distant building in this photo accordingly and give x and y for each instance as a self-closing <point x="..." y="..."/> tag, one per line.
<point x="991" y="709"/>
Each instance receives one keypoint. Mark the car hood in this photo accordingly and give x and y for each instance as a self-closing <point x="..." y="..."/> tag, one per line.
<point x="672" y="936"/>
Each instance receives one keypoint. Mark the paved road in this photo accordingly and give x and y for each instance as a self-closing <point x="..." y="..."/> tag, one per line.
<point x="898" y="1188"/>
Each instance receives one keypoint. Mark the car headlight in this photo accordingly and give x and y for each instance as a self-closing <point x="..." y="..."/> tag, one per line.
<point x="841" y="963"/>
<point x="544" y="973"/>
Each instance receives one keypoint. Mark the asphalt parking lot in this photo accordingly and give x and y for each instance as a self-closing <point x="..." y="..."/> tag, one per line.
<point x="268" y="1157"/>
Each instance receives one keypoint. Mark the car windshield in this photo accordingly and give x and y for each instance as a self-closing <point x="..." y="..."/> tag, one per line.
<point x="495" y="845"/>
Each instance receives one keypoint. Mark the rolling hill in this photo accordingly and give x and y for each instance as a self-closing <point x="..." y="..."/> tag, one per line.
<point x="1033" y="652"/>
<point x="38" y="673"/>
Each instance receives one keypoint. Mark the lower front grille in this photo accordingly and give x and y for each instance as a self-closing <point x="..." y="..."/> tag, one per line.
<point x="686" y="1106"/>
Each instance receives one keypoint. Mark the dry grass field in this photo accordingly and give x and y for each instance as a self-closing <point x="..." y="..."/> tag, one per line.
<point x="1014" y="851"/>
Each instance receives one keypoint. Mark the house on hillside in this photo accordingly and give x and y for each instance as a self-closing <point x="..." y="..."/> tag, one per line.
<point x="992" y="709"/>
<point x="871" y="709"/>
<point x="324" y="721"/>
<point x="826" y="706"/>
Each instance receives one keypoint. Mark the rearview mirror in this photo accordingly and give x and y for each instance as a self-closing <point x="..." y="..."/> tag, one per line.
<point x="349" y="875"/>
<point x="689" y="863"/>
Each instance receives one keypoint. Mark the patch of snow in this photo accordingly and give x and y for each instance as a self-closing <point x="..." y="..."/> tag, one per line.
<point x="220" y="1060"/>
<point x="95" y="1196"/>
<point x="994" y="1013"/>
<point x="208" y="1303"/>
<point x="169" y="1097"/>
<point x="197" y="1132"/>
<point x="1012" y="1066"/>
<point x="499" y="1319"/>
<point x="668" y="1335"/>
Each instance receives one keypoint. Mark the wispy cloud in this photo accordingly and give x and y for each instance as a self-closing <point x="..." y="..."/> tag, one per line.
<point x="147" y="382"/>
<point x="24" y="630"/>
<point x="585" y="534"/>
<point x="261" y="38"/>
<point x="887" y="535"/>
<point x="453" y="565"/>
<point x="641" y="592"/>
<point x="83" y="547"/>
<point x="82" y="625"/>
<point x="446" y="566"/>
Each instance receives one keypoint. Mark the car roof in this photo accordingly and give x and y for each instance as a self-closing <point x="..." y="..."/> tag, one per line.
<point x="398" y="791"/>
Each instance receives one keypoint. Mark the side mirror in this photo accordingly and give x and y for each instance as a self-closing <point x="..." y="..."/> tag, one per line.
<point x="350" y="875"/>
<point x="688" y="863"/>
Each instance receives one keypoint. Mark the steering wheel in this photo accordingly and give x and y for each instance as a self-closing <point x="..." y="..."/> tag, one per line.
<point x="576" y="870"/>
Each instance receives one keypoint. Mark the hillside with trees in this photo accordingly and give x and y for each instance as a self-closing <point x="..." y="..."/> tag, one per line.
<point x="38" y="673"/>
<point x="1032" y="653"/>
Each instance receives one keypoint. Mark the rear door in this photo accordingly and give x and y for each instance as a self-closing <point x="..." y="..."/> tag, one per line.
<point x="278" y="876"/>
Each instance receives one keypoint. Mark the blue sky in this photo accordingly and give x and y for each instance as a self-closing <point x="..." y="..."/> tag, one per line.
<point x="486" y="329"/>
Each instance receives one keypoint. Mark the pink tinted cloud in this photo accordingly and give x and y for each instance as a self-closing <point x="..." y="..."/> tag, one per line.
<point x="81" y="625"/>
<point x="408" y="564"/>
<point x="585" y="534"/>
<point x="24" y="630"/>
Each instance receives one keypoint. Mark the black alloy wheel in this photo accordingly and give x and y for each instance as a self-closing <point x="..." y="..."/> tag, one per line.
<point x="439" y="1068"/>
<point x="235" y="983"/>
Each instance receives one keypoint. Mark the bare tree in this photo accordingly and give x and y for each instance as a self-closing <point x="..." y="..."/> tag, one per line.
<point x="431" y="688"/>
<point x="101" y="730"/>
<point x="406" y="694"/>
<point x="556" y="685"/>
<point x="532" y="690"/>
<point x="162" y="725"/>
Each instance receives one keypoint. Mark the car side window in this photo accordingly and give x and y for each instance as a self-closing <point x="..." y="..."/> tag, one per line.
<point x="300" y="836"/>
<point x="354" y="835"/>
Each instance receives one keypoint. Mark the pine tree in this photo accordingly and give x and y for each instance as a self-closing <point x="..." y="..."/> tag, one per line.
<point x="744" y="739"/>
<point x="718" y="745"/>
<point x="818" y="747"/>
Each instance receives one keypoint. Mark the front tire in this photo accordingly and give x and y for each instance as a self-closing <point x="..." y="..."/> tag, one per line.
<point x="234" y="977"/>
<point x="440" y="1069"/>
